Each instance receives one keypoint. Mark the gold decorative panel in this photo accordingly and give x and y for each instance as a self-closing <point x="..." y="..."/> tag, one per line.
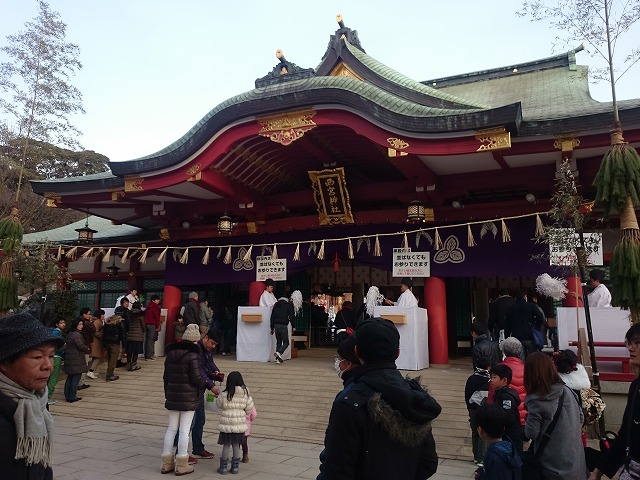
<point x="53" y="199"/>
<point x="566" y="142"/>
<point x="193" y="170"/>
<point x="117" y="195"/>
<point x="341" y="70"/>
<point x="493" y="139"/>
<point x="331" y="196"/>
<point x="287" y="128"/>
<point x="133" y="184"/>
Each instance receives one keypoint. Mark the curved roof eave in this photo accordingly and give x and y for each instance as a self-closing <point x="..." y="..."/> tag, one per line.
<point x="393" y="111"/>
<point x="93" y="182"/>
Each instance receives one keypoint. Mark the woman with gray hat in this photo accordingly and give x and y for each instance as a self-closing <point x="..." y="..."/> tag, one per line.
<point x="26" y="427"/>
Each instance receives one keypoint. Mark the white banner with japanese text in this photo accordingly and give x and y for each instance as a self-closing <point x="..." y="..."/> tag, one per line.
<point x="266" y="267"/>
<point x="411" y="264"/>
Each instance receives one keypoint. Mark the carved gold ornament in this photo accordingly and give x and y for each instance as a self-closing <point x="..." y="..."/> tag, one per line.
<point x="396" y="144"/>
<point x="53" y="199"/>
<point x="117" y="195"/>
<point x="287" y="128"/>
<point x="342" y="70"/>
<point x="493" y="139"/>
<point x="164" y="234"/>
<point x="133" y="184"/>
<point x="193" y="170"/>
<point x="566" y="142"/>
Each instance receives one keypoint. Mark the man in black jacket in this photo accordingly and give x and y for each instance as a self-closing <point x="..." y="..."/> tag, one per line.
<point x="380" y="426"/>
<point x="281" y="315"/>
<point x="483" y="346"/>
<point x="522" y="316"/>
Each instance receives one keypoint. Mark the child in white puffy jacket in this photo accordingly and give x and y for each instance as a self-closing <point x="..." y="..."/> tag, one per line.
<point x="235" y="403"/>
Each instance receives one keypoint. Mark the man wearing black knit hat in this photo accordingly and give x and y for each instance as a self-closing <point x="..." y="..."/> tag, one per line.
<point x="380" y="426"/>
<point x="407" y="298"/>
<point x="26" y="360"/>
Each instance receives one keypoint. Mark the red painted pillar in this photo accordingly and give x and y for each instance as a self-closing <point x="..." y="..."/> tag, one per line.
<point x="574" y="295"/>
<point x="171" y="301"/>
<point x="435" y="300"/>
<point x="255" y="292"/>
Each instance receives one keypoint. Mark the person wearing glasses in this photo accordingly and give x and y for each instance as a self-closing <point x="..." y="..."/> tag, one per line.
<point x="625" y="451"/>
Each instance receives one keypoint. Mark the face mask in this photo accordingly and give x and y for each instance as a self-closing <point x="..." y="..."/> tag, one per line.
<point x="337" y="367"/>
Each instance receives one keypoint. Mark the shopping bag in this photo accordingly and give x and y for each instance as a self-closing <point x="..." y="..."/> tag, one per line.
<point x="210" y="402"/>
<point x="538" y="338"/>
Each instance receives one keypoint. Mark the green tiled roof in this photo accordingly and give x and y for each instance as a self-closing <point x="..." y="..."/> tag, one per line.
<point x="405" y="82"/>
<point x="374" y="94"/>
<point x="548" y="94"/>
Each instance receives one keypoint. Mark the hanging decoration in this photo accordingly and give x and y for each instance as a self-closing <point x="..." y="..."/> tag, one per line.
<point x="377" y="251"/>
<point x="366" y="240"/>
<point x="181" y="254"/>
<point x="125" y="256"/>
<point x="422" y="233"/>
<point x="59" y="255"/>
<point x="438" y="241"/>
<point x="296" y="301"/>
<point x="336" y="263"/>
<point x="506" y="235"/>
<point x="549" y="286"/>
<point x="539" y="226"/>
<point x="488" y="227"/>
<point x="471" y="242"/>
<point x="163" y="255"/>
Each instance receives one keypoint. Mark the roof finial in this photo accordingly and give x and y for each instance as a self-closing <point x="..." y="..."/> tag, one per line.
<point x="283" y="62"/>
<point x="339" y="20"/>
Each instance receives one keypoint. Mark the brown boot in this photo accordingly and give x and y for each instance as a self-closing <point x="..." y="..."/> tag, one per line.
<point x="245" y="458"/>
<point x="182" y="465"/>
<point x="168" y="463"/>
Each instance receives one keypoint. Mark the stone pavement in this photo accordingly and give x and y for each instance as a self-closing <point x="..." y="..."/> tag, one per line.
<point x="117" y="430"/>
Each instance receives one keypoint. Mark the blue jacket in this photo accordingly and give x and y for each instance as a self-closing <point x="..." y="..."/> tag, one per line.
<point x="208" y="368"/>
<point x="501" y="462"/>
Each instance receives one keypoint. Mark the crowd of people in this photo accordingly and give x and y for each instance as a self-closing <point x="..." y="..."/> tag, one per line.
<point x="380" y="425"/>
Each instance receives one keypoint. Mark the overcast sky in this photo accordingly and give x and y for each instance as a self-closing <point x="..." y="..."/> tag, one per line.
<point x="153" y="68"/>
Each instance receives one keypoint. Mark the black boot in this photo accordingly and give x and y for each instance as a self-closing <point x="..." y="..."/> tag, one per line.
<point x="223" y="466"/>
<point x="235" y="463"/>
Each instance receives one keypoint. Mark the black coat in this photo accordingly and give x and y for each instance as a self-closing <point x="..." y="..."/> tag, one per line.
<point x="380" y="428"/>
<point x="483" y="347"/>
<point x="13" y="469"/>
<point x="508" y="399"/>
<point x="613" y="459"/>
<point x="191" y="312"/>
<point x="113" y="331"/>
<point x="521" y="317"/>
<point x="282" y="313"/>
<point x="74" y="352"/>
<point x="183" y="384"/>
<point x="498" y="312"/>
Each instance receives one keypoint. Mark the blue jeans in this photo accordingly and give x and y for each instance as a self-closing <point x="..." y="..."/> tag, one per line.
<point x="71" y="386"/>
<point x="197" y="428"/>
